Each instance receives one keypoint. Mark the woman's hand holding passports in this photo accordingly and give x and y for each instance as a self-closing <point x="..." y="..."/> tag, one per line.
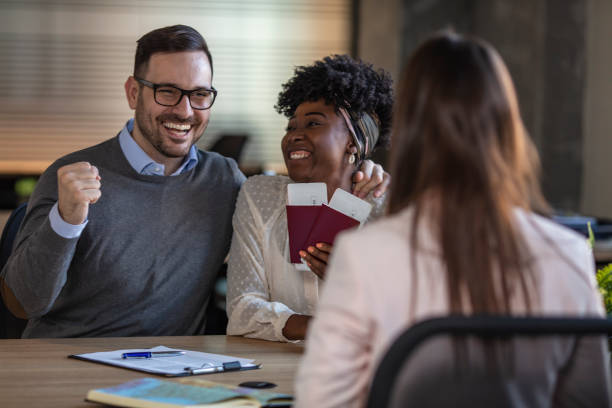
<point x="316" y="258"/>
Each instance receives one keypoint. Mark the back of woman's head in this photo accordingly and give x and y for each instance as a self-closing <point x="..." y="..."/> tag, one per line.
<point x="458" y="127"/>
<point x="461" y="153"/>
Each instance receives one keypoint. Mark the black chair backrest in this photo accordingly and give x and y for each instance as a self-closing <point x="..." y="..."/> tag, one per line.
<point x="481" y="327"/>
<point x="10" y="326"/>
<point x="10" y="231"/>
<point x="230" y="146"/>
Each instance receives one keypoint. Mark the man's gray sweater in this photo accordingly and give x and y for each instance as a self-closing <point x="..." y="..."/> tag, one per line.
<point x="145" y="263"/>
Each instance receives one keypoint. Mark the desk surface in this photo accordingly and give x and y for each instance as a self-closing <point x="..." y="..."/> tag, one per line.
<point x="37" y="372"/>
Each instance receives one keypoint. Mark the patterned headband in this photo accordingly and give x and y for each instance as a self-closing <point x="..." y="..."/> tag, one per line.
<point x="365" y="132"/>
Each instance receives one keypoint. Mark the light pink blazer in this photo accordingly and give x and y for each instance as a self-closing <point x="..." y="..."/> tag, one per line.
<point x="367" y="301"/>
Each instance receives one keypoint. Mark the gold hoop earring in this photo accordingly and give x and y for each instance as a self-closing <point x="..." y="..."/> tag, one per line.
<point x="351" y="159"/>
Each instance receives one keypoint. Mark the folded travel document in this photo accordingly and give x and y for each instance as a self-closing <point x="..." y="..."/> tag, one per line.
<point x="310" y="220"/>
<point x="186" y="392"/>
<point x="175" y="366"/>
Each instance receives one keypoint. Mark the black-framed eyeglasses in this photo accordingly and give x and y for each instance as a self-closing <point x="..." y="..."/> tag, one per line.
<point x="170" y="95"/>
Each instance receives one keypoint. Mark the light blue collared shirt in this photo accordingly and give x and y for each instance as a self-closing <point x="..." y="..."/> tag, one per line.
<point x="142" y="163"/>
<point x="139" y="160"/>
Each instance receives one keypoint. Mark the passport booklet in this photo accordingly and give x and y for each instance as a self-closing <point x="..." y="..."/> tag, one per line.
<point x="310" y="219"/>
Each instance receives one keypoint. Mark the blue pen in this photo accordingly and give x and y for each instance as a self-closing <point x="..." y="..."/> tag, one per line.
<point x="151" y="354"/>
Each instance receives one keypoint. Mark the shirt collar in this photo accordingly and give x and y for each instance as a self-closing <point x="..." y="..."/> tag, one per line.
<point x="142" y="163"/>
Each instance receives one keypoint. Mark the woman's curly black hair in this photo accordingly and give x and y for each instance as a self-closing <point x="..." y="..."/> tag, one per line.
<point x="344" y="82"/>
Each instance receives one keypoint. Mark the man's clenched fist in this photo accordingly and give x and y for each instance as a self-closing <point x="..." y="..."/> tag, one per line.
<point x="78" y="185"/>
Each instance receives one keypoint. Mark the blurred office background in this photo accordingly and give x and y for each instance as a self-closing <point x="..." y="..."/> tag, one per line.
<point x="63" y="64"/>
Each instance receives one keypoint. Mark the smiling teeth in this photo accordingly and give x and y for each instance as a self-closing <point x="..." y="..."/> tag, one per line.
<point x="177" y="126"/>
<point x="299" y="155"/>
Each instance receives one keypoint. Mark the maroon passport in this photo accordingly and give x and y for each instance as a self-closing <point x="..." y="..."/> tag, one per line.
<point x="310" y="224"/>
<point x="300" y="219"/>
<point x="328" y="224"/>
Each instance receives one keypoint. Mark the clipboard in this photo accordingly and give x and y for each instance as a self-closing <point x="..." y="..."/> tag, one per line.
<point x="175" y="366"/>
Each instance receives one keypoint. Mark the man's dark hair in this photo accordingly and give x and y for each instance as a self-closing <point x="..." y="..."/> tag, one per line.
<point x="345" y="83"/>
<point x="174" y="38"/>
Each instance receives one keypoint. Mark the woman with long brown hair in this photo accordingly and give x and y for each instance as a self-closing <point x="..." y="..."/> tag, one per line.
<point x="463" y="236"/>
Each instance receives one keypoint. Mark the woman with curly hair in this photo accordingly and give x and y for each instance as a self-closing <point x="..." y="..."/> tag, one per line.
<point x="463" y="237"/>
<point x="339" y="110"/>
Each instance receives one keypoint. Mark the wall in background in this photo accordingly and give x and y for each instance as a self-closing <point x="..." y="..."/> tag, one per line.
<point x="379" y="42"/>
<point x="558" y="54"/>
<point x="379" y="34"/>
<point x="64" y="63"/>
<point x="597" y="154"/>
<point x="543" y="44"/>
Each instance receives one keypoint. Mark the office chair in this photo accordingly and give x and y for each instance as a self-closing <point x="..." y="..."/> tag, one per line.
<point x="11" y="327"/>
<point x="230" y="146"/>
<point x="453" y="368"/>
<point x="216" y="315"/>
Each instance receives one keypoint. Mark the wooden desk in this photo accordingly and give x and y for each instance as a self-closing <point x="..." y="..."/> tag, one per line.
<point x="37" y="372"/>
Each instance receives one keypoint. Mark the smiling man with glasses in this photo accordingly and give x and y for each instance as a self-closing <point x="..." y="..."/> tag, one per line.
<point x="143" y="259"/>
<point x="125" y="238"/>
<point x="169" y="120"/>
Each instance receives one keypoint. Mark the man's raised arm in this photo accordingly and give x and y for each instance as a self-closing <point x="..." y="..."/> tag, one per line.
<point x="57" y="212"/>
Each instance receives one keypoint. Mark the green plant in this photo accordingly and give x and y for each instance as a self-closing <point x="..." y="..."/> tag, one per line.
<point x="591" y="235"/>
<point x="24" y="187"/>
<point x="604" y="277"/>
<point x="604" y="280"/>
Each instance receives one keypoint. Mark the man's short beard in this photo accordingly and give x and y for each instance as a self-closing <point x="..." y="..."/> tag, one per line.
<point x="146" y="124"/>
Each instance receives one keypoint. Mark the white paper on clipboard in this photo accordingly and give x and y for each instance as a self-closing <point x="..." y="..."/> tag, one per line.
<point x="167" y="366"/>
